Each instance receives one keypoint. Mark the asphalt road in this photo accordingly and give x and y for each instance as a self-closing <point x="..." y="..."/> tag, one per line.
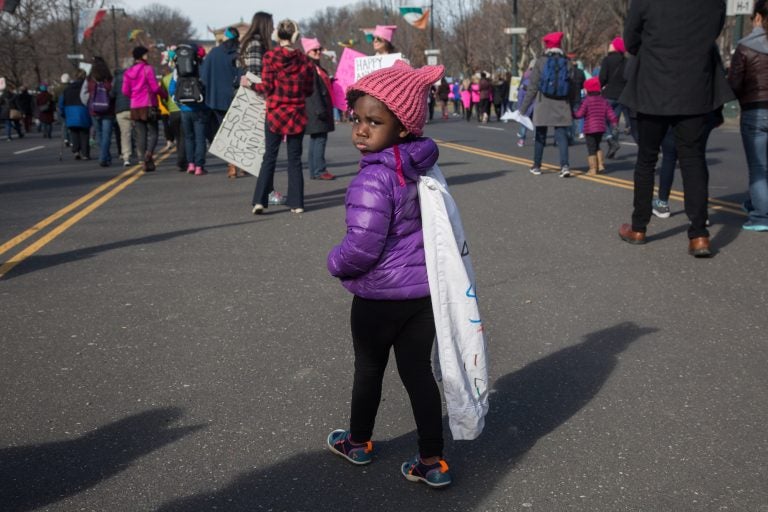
<point x="162" y="349"/>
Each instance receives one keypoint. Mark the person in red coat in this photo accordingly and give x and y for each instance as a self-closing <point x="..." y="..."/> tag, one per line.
<point x="287" y="79"/>
<point x="45" y="109"/>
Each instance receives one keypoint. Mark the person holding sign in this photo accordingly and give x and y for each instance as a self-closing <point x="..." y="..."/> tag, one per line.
<point x="319" y="113"/>
<point x="382" y="39"/>
<point x="287" y="79"/>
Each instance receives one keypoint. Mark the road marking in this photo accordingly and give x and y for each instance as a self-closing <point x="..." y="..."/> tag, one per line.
<point x="128" y="177"/>
<point x="52" y="218"/>
<point x="491" y="128"/>
<point x="714" y="204"/>
<point x="28" y="150"/>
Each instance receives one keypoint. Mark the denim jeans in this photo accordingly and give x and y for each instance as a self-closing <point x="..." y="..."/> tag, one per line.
<point x="690" y="134"/>
<point x="317" y="164"/>
<point x="754" y="136"/>
<point x="193" y="126"/>
<point x="146" y="137"/>
<point x="10" y="125"/>
<point x="264" y="185"/>
<point x="103" y="126"/>
<point x="561" y="138"/>
<point x="618" y="110"/>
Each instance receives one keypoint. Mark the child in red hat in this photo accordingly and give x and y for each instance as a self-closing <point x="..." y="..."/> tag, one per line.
<point x="381" y="261"/>
<point x="595" y="109"/>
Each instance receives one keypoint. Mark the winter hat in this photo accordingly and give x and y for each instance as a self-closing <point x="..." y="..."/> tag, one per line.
<point x="310" y="44"/>
<point x="618" y="45"/>
<point x="385" y="32"/>
<point x="553" y="40"/>
<point x="139" y="52"/>
<point x="592" y="84"/>
<point x="200" y="52"/>
<point x="403" y="90"/>
<point x="43" y="87"/>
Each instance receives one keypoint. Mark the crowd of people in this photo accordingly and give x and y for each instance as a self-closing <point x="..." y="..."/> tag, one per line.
<point x="665" y="77"/>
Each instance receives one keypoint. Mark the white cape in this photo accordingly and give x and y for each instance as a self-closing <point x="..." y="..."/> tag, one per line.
<point x="461" y="350"/>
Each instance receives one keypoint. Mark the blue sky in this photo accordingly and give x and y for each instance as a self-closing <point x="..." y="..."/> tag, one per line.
<point x="219" y="14"/>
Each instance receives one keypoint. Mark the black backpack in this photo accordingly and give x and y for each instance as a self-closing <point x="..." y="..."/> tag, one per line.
<point x="189" y="88"/>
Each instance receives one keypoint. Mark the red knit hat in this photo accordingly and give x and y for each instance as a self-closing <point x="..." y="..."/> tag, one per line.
<point x="592" y="84"/>
<point x="618" y="45"/>
<point x="403" y="90"/>
<point x="553" y="40"/>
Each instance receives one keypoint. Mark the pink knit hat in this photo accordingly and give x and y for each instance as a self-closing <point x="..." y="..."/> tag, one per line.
<point x="592" y="84"/>
<point x="553" y="40"/>
<point x="618" y="45"/>
<point x="403" y="90"/>
<point x="310" y="44"/>
<point x="385" y="31"/>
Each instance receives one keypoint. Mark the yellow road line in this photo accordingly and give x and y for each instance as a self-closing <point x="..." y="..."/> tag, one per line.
<point x="715" y="204"/>
<point x="13" y="242"/>
<point x="61" y="228"/>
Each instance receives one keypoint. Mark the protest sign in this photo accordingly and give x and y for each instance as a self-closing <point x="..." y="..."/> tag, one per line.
<point x="240" y="139"/>
<point x="345" y="76"/>
<point x="366" y="65"/>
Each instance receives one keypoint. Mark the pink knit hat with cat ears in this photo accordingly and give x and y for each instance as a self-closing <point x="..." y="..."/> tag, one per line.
<point x="385" y="31"/>
<point x="403" y="90"/>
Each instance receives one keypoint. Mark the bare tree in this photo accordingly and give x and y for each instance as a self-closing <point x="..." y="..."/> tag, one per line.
<point x="164" y="24"/>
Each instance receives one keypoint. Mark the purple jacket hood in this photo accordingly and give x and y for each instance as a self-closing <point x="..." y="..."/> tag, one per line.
<point x="382" y="255"/>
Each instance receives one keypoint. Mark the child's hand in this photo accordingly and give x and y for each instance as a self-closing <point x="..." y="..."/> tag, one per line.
<point x="244" y="81"/>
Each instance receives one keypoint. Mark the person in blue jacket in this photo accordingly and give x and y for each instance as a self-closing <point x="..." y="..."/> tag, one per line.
<point x="220" y="76"/>
<point x="76" y="117"/>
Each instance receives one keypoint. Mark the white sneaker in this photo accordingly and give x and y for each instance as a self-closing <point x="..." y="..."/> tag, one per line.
<point x="535" y="171"/>
<point x="126" y="163"/>
<point x="257" y="209"/>
<point x="297" y="210"/>
<point x="565" y="172"/>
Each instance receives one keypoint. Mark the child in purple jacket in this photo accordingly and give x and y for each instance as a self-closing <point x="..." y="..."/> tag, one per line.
<point x="381" y="261"/>
<point x="595" y="109"/>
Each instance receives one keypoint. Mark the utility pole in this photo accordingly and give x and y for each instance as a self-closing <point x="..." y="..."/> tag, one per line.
<point x="74" y="33"/>
<point x="114" y="32"/>
<point x="514" y="39"/>
<point x="432" y="23"/>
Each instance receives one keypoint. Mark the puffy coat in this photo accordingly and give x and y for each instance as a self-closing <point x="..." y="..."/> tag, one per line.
<point x="141" y="86"/>
<point x="45" y="99"/>
<point x="595" y="110"/>
<point x="748" y="75"/>
<point x="72" y="108"/>
<point x="382" y="255"/>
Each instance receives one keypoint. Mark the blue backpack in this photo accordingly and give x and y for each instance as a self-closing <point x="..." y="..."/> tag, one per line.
<point x="555" y="77"/>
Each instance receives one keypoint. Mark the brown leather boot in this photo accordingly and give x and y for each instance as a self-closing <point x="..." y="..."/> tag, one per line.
<point x="699" y="247"/>
<point x="231" y="171"/>
<point x="628" y="235"/>
<point x="600" y="161"/>
<point x="592" y="165"/>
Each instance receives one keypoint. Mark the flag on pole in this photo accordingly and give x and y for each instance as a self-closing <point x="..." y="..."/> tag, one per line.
<point x="9" y="5"/>
<point x="367" y="31"/>
<point x="415" y="16"/>
<point x="89" y="19"/>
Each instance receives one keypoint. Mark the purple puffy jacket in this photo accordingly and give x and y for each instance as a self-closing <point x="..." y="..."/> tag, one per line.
<point x="382" y="255"/>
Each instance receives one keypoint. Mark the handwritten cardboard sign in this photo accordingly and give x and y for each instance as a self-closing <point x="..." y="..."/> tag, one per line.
<point x="366" y="65"/>
<point x="240" y="139"/>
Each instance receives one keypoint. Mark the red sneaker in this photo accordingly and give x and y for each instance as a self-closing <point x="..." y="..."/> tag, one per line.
<point x="326" y="176"/>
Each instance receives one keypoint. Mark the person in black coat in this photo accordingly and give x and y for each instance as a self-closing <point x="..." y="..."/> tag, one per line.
<point x="319" y="113"/>
<point x="612" y="80"/>
<point x="675" y="80"/>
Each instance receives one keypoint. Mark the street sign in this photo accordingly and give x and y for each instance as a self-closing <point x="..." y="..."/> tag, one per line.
<point x="515" y="30"/>
<point x="79" y="56"/>
<point x="432" y="52"/>
<point x="739" y="7"/>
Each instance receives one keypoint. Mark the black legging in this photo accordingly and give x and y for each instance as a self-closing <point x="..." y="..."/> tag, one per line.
<point x="409" y="327"/>
<point x="593" y="142"/>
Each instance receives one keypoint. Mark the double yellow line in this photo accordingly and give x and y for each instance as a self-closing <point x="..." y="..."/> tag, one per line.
<point x="714" y="204"/>
<point x="103" y="193"/>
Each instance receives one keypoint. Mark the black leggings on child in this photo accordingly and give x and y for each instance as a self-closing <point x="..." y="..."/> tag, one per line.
<point x="409" y="327"/>
<point x="593" y="143"/>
